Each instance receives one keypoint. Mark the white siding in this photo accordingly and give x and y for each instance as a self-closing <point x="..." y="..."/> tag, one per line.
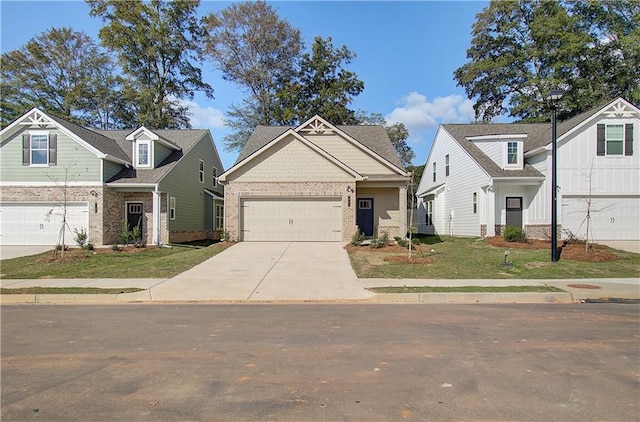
<point x="493" y="149"/>
<point x="454" y="215"/>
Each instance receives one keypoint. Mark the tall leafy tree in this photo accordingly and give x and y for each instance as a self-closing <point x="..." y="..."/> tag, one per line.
<point x="322" y="86"/>
<point x="158" y="44"/>
<point x="520" y="50"/>
<point x="397" y="132"/>
<point x="257" y="50"/>
<point x="65" y="73"/>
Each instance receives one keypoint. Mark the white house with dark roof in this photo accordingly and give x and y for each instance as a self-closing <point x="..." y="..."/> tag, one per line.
<point x="315" y="182"/>
<point x="480" y="178"/>
<point x="164" y="181"/>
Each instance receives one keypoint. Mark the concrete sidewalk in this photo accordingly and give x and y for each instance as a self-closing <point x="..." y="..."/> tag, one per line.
<point x="307" y="271"/>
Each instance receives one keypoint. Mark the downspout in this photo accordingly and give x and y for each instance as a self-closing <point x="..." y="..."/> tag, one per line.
<point x="157" y="231"/>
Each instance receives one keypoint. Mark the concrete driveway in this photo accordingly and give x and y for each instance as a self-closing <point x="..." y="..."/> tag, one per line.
<point x="8" y="252"/>
<point x="265" y="271"/>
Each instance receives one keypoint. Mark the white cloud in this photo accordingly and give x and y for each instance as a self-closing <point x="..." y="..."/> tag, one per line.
<point x="204" y="117"/>
<point x="420" y="115"/>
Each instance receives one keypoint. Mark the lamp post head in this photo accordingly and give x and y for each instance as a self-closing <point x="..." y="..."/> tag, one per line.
<point x="555" y="94"/>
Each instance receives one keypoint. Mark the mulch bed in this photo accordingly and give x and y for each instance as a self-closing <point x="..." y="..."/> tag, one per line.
<point x="573" y="251"/>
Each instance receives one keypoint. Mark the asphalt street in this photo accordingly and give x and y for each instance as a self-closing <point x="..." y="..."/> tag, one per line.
<point x="314" y="362"/>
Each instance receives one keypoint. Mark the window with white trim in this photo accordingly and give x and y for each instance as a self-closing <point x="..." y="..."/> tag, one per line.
<point x="446" y="165"/>
<point x="512" y="153"/>
<point x="219" y="217"/>
<point x="201" y="171"/>
<point x="215" y="177"/>
<point x="172" y="208"/>
<point x="39" y="149"/>
<point x="475" y="202"/>
<point x="428" y="206"/>
<point x="615" y="139"/>
<point x="143" y="153"/>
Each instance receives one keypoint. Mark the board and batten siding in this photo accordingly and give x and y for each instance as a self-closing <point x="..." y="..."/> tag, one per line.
<point x="610" y="175"/>
<point x="291" y="161"/>
<point x="183" y="183"/>
<point x="539" y="209"/>
<point x="81" y="164"/>
<point x="453" y="210"/>
<point x="349" y="154"/>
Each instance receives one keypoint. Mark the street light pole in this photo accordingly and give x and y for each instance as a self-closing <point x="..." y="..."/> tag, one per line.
<point x="553" y="96"/>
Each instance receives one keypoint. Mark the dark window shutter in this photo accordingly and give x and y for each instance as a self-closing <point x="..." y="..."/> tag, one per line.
<point x="628" y="139"/>
<point x="26" y="149"/>
<point x="53" y="149"/>
<point x="601" y="140"/>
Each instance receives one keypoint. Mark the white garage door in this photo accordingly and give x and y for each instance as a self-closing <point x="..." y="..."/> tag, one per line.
<point x="283" y="219"/>
<point x="39" y="223"/>
<point x="610" y="218"/>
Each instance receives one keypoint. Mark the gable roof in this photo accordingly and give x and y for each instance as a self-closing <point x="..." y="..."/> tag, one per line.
<point x="372" y="137"/>
<point x="183" y="139"/>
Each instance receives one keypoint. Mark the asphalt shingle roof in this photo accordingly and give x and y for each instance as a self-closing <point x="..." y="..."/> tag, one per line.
<point x="374" y="138"/>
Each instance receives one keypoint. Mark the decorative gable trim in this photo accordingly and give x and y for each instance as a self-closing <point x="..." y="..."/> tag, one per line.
<point x="319" y="126"/>
<point x="37" y="117"/>
<point x="223" y="177"/>
<point x="618" y="108"/>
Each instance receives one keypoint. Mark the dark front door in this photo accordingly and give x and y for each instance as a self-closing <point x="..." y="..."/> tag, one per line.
<point x="514" y="211"/>
<point x="364" y="216"/>
<point x="134" y="215"/>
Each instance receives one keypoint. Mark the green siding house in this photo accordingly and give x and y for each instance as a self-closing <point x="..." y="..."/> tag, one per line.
<point x="164" y="181"/>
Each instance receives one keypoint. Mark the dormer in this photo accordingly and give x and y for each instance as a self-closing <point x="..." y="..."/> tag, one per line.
<point x="507" y="150"/>
<point x="148" y="148"/>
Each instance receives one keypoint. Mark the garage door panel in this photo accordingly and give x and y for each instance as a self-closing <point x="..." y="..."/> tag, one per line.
<point x="610" y="218"/>
<point x="40" y="223"/>
<point x="284" y="219"/>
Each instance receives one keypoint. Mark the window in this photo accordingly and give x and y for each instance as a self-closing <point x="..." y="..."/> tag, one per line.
<point x="201" y="171"/>
<point x="512" y="153"/>
<point x="219" y="217"/>
<point x="475" y="202"/>
<point x="615" y="139"/>
<point x="434" y="172"/>
<point x="429" y="213"/>
<point x="39" y="148"/>
<point x="215" y="177"/>
<point x="446" y="165"/>
<point x="143" y="153"/>
<point x="364" y="204"/>
<point x="172" y="208"/>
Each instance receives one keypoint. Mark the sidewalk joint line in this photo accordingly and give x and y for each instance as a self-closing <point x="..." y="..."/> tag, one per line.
<point x="267" y="273"/>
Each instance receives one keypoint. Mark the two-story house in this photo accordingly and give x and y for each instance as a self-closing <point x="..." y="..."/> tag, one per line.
<point x="480" y="178"/>
<point x="163" y="181"/>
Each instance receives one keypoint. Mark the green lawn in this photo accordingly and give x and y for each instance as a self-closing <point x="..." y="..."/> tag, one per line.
<point x="142" y="263"/>
<point x="465" y="258"/>
<point x="67" y="290"/>
<point x="466" y="289"/>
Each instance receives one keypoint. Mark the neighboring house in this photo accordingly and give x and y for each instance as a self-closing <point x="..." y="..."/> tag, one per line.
<point x="480" y="178"/>
<point x="165" y="181"/>
<point x="315" y="182"/>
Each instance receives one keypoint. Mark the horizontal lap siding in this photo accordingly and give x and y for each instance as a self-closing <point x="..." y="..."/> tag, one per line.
<point x="75" y="162"/>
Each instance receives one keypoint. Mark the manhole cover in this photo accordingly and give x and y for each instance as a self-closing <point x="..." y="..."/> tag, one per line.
<point x="583" y="286"/>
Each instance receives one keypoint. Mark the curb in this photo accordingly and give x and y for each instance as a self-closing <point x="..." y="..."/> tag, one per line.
<point x="426" y="298"/>
<point x="479" y="297"/>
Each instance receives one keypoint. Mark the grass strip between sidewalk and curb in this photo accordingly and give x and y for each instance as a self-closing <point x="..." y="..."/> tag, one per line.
<point x="466" y="289"/>
<point x="67" y="290"/>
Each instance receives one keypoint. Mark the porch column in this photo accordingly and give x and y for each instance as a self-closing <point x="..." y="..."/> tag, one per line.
<point x="491" y="211"/>
<point x="155" y="201"/>
<point x="402" y="207"/>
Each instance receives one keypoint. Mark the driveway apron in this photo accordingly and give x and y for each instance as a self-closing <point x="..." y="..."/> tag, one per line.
<point x="267" y="271"/>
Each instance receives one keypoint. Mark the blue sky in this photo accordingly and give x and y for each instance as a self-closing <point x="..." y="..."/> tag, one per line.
<point x="406" y="55"/>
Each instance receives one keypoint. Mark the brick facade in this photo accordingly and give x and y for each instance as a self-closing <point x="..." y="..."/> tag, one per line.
<point x="236" y="191"/>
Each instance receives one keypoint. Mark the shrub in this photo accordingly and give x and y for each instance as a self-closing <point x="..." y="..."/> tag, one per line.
<point x="380" y="242"/>
<point x="80" y="237"/>
<point x="124" y="235"/>
<point x="357" y="238"/>
<point x="136" y="237"/>
<point x="513" y="234"/>
<point x="401" y="242"/>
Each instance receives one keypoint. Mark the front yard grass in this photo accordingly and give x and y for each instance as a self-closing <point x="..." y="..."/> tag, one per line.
<point x="466" y="289"/>
<point x="467" y="258"/>
<point x="150" y="262"/>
